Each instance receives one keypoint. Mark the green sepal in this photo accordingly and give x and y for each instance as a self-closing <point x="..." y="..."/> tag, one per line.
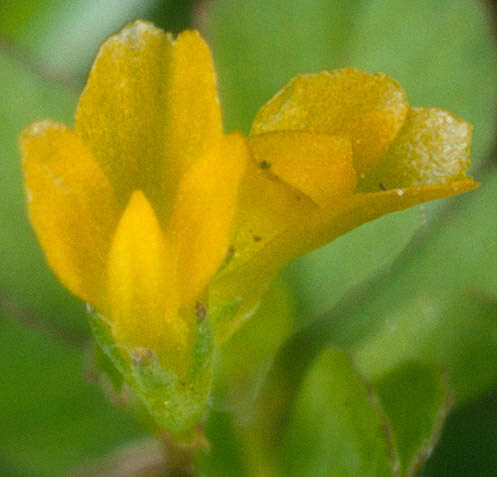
<point x="223" y="317"/>
<point x="175" y="403"/>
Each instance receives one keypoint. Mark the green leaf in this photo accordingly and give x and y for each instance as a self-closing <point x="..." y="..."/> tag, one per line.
<point x="416" y="400"/>
<point x="337" y="429"/>
<point x="321" y="278"/>
<point x="226" y="454"/>
<point x="52" y="418"/>
<point x="175" y="402"/>
<point x="468" y="445"/>
<point x="462" y="337"/>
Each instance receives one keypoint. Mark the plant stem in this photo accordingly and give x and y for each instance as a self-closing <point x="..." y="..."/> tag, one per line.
<point x="180" y="454"/>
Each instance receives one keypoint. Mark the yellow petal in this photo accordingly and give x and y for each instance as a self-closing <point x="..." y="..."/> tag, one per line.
<point x="318" y="165"/>
<point x="328" y="224"/>
<point x="195" y="116"/>
<point x="143" y="293"/>
<point x="71" y="205"/>
<point x="247" y="281"/>
<point x="201" y="223"/>
<point x="432" y="148"/>
<point x="267" y="207"/>
<point x="369" y="109"/>
<point x="150" y="108"/>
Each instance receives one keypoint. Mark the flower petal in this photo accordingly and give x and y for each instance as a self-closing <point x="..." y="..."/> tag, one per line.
<point x="71" y="205"/>
<point x="248" y="280"/>
<point x="150" y="108"/>
<point x="364" y="207"/>
<point x="267" y="207"/>
<point x="432" y="148"/>
<point x="201" y="224"/>
<point x="143" y="294"/>
<point x="275" y="198"/>
<point x="318" y="165"/>
<point x="369" y="109"/>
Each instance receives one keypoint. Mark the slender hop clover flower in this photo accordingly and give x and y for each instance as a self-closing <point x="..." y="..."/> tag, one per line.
<point x="151" y="213"/>
<point x="331" y="151"/>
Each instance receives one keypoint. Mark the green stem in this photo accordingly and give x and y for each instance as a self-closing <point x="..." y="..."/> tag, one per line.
<point x="180" y="453"/>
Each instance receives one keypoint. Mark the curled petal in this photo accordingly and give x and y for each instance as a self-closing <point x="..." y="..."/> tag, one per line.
<point x="71" y="205"/>
<point x="267" y="206"/>
<point x="432" y="148"/>
<point x="368" y="109"/>
<point x="318" y="165"/>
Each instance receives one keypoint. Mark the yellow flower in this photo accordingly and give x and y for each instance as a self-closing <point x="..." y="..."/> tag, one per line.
<point x="331" y="151"/>
<point x="148" y="211"/>
<point x="134" y="207"/>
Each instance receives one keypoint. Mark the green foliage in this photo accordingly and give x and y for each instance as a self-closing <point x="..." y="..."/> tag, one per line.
<point x="338" y="428"/>
<point x="52" y="419"/>
<point x="344" y="426"/>
<point x="468" y="445"/>
<point x="445" y="307"/>
<point x="416" y="400"/>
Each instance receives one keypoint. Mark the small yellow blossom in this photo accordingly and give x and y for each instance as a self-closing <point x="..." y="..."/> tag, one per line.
<point x="151" y="213"/>
<point x="134" y="207"/>
<point x="331" y="151"/>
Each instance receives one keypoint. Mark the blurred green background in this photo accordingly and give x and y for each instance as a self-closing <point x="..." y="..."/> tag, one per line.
<point x="416" y="287"/>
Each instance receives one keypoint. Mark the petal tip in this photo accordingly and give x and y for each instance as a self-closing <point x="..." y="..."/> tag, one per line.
<point x="133" y="36"/>
<point x="191" y="33"/>
<point x="465" y="185"/>
<point x="138" y="201"/>
<point x="36" y="133"/>
<point x="135" y="31"/>
<point x="39" y="129"/>
<point x="192" y="38"/>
